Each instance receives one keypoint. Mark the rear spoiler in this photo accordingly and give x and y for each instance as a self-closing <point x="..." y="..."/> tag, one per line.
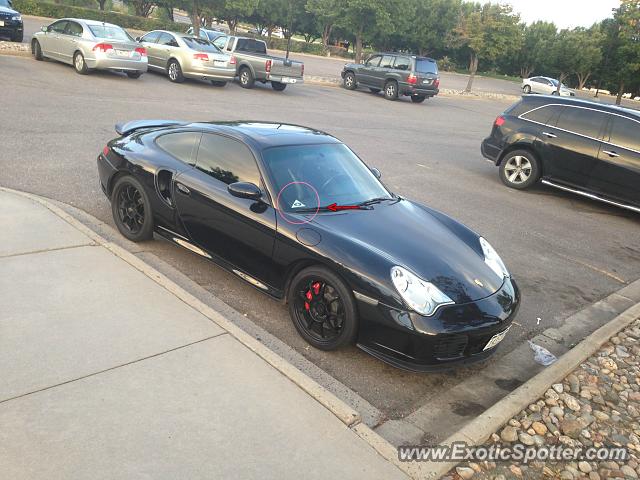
<point x="125" y="128"/>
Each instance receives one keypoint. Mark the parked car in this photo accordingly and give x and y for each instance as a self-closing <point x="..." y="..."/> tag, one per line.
<point x="209" y="34"/>
<point x="10" y="22"/>
<point x="181" y="56"/>
<point x="90" y="45"/>
<point x="587" y="148"/>
<point x="545" y="86"/>
<point x="254" y="64"/>
<point x="410" y="285"/>
<point x="396" y="74"/>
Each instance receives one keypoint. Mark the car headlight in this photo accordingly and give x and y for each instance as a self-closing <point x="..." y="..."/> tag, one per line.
<point x="421" y="296"/>
<point x="17" y="18"/>
<point x="492" y="259"/>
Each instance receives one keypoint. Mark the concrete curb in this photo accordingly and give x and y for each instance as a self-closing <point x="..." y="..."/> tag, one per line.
<point x="347" y="415"/>
<point x="479" y="430"/>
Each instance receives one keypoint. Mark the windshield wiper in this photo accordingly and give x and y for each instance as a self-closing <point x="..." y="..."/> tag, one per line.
<point x="377" y="200"/>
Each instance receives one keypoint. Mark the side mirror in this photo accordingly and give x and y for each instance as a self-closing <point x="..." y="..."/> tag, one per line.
<point x="245" y="190"/>
<point x="44" y="28"/>
<point x="376" y="172"/>
<point x="138" y="39"/>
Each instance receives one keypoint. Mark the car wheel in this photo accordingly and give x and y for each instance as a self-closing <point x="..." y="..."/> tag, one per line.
<point x="391" y="90"/>
<point x="132" y="210"/>
<point x="134" y="74"/>
<point x="37" y="51"/>
<point x="374" y="90"/>
<point x="247" y="79"/>
<point x="278" y="87"/>
<point x="418" y="98"/>
<point x="218" y="83"/>
<point x="519" y="169"/>
<point x="322" y="308"/>
<point x="349" y="81"/>
<point x="18" y="37"/>
<point x="79" y="64"/>
<point x="526" y="89"/>
<point x="174" y="71"/>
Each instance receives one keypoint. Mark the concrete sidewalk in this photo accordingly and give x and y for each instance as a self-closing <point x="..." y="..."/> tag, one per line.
<point x="104" y="373"/>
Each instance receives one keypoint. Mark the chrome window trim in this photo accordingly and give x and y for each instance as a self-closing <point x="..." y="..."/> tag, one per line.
<point x="521" y="117"/>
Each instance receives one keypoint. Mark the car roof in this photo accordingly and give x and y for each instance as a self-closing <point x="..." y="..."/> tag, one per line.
<point x="263" y="135"/>
<point x="90" y="22"/>
<point x="399" y="54"/>
<point x="605" y="107"/>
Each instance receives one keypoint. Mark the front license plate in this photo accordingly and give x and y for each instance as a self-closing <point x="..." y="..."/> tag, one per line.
<point x="1" y="23"/>
<point x="495" y="340"/>
<point x="289" y="80"/>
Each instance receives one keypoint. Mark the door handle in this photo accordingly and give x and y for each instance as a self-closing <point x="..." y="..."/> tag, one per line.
<point x="550" y="135"/>
<point x="182" y="189"/>
<point x="610" y="153"/>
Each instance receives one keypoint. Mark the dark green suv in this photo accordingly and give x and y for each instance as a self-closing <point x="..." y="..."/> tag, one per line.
<point x="396" y="74"/>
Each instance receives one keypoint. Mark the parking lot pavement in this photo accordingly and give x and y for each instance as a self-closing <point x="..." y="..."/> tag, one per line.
<point x="565" y="252"/>
<point x="106" y="374"/>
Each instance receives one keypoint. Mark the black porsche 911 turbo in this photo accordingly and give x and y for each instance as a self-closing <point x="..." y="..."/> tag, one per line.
<point x="294" y="212"/>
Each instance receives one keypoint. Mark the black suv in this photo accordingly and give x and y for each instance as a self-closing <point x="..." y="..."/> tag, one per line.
<point x="10" y="22"/>
<point x="579" y="146"/>
<point x="396" y="74"/>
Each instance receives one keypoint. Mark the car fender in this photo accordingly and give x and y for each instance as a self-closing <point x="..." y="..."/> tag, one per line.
<point x="246" y="63"/>
<point x="520" y="140"/>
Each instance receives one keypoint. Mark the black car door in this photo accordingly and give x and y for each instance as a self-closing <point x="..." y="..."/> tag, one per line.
<point x="571" y="145"/>
<point x="617" y="171"/>
<point x="237" y="232"/>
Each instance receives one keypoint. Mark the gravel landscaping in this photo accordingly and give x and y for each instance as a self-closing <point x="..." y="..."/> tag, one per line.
<point x="14" y="48"/>
<point x="597" y="405"/>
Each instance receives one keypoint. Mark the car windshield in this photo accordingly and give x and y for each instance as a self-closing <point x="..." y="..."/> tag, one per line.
<point x="555" y="83"/>
<point x="200" y="45"/>
<point x="426" y="65"/>
<point x="5" y="3"/>
<point x="110" y="32"/>
<point x="330" y="173"/>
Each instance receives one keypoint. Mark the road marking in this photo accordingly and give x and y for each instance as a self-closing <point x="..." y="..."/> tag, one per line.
<point x="593" y="267"/>
<point x="423" y="166"/>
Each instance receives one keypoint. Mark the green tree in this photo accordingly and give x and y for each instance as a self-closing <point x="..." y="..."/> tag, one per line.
<point x="232" y="11"/>
<point x="142" y="8"/>
<point x="487" y="32"/>
<point x="326" y="13"/>
<point x="588" y="52"/>
<point x="624" y="64"/>
<point x="432" y="34"/>
<point x="362" y="18"/>
<point x="562" y="55"/>
<point x="537" y="41"/>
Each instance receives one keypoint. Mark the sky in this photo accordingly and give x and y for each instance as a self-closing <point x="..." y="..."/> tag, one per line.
<point x="564" y="13"/>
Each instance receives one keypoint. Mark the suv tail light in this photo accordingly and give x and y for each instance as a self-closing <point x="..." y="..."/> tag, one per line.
<point x="103" y="47"/>
<point x="499" y="121"/>
<point x="142" y="51"/>
<point x="232" y="61"/>
<point x="436" y="83"/>
<point x="267" y="66"/>
<point x="105" y="150"/>
<point x="201" y="56"/>
<point x="412" y="79"/>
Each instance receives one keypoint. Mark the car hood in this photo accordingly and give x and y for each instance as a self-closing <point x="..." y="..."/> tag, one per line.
<point x="407" y="234"/>
<point x="8" y="10"/>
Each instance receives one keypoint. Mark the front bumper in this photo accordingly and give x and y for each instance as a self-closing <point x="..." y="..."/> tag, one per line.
<point x="454" y="336"/>
<point x="11" y="28"/>
<point x="203" y="71"/>
<point x="104" y="62"/>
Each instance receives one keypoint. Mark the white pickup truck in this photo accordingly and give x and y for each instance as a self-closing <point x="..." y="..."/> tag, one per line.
<point x="254" y="64"/>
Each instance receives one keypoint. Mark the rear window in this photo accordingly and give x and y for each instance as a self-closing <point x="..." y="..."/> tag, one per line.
<point x="200" y="45"/>
<point x="426" y="65"/>
<point x="110" y="32"/>
<point x="251" y="46"/>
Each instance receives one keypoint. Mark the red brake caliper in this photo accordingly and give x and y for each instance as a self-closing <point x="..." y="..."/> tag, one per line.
<point x="309" y="295"/>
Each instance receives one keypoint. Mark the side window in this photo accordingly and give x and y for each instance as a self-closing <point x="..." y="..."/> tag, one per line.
<point x="181" y="145"/>
<point x="167" y="40"/>
<point x="373" y="61"/>
<point x="151" y="37"/>
<point x="543" y="115"/>
<point x="402" y="63"/>
<point x="58" y="27"/>
<point x="387" y="61"/>
<point x="227" y="160"/>
<point x="220" y="42"/>
<point x="582" y="121"/>
<point x="74" y="29"/>
<point x="625" y="133"/>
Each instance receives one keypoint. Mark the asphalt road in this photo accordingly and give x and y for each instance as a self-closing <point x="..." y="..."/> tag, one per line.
<point x="564" y="251"/>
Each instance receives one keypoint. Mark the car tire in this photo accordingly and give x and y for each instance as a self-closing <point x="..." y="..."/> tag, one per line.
<point x="391" y="90"/>
<point x="79" y="64"/>
<point x="174" y="71"/>
<point x="374" y="90"/>
<point x="349" y="81"/>
<point x="18" y="37"/>
<point x="134" y="74"/>
<point x="131" y="209"/>
<point x="418" y="98"/>
<point x="37" y="51"/>
<point x="218" y="83"/>
<point x="247" y="80"/>
<point x="526" y="89"/>
<point x="322" y="308"/>
<point x="519" y="169"/>
<point x="278" y="86"/>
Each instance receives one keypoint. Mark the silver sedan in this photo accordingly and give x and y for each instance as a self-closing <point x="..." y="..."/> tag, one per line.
<point x="545" y="86"/>
<point x="181" y="56"/>
<point x="88" y="45"/>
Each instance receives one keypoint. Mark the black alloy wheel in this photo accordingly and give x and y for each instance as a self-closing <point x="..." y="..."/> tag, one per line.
<point x="131" y="210"/>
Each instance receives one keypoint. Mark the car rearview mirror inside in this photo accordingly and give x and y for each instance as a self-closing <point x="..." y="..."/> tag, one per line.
<point x="245" y="190"/>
